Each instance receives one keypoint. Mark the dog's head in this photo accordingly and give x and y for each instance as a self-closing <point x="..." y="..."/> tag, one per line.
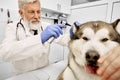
<point x="92" y="40"/>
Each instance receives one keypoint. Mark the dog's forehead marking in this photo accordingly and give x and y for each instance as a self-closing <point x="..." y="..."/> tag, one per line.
<point x="96" y="26"/>
<point x="101" y="33"/>
<point x="88" y="32"/>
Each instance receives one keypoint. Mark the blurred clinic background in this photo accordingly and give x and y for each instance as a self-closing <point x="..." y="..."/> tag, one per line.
<point x="55" y="11"/>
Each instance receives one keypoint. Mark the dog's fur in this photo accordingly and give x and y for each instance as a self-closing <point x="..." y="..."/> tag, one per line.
<point x="90" y="41"/>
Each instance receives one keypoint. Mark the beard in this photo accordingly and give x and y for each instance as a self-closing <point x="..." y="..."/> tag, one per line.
<point x="32" y="26"/>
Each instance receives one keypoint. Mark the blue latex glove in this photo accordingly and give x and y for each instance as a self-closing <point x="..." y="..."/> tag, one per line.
<point x="52" y="31"/>
<point x="77" y="24"/>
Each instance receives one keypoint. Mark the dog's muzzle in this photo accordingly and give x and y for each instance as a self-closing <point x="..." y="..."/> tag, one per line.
<point x="91" y="59"/>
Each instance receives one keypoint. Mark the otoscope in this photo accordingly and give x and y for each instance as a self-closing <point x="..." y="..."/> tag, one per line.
<point x="62" y="22"/>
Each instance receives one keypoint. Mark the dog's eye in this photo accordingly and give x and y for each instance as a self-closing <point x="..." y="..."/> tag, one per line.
<point x="85" y="38"/>
<point x="104" y="39"/>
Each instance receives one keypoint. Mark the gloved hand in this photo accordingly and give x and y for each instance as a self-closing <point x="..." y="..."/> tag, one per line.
<point x="52" y="31"/>
<point x="77" y="24"/>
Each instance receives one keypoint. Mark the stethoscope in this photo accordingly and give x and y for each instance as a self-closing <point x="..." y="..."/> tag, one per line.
<point x="19" y="24"/>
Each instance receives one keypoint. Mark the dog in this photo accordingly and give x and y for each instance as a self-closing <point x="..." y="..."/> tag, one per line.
<point x="89" y="42"/>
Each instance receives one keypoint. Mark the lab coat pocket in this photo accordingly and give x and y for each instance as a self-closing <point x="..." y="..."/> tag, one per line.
<point x="24" y="65"/>
<point x="30" y="63"/>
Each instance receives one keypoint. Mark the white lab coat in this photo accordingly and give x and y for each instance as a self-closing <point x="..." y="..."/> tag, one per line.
<point x="28" y="53"/>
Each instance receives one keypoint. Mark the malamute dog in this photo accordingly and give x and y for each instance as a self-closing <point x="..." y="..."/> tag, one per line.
<point x="89" y="42"/>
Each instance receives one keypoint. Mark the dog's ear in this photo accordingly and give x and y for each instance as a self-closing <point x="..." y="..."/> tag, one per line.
<point x="76" y="26"/>
<point x="116" y="25"/>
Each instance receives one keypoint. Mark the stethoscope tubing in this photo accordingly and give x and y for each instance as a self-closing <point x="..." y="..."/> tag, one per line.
<point x="19" y="24"/>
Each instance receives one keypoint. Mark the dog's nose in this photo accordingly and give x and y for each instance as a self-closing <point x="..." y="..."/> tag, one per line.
<point x="92" y="57"/>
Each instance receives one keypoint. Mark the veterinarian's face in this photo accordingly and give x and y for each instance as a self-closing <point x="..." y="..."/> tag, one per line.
<point x="31" y="12"/>
<point x="91" y="41"/>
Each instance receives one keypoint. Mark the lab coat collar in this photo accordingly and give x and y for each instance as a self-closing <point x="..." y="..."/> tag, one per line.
<point x="28" y="30"/>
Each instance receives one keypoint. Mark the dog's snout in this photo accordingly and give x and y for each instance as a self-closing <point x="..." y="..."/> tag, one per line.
<point x="92" y="57"/>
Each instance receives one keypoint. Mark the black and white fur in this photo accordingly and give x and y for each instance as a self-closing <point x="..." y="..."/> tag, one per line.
<point x="90" y="41"/>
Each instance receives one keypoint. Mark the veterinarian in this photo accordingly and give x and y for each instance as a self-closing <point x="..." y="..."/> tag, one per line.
<point x="27" y="41"/>
<point x="110" y="65"/>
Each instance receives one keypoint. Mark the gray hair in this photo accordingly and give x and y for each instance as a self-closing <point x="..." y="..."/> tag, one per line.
<point x="21" y="3"/>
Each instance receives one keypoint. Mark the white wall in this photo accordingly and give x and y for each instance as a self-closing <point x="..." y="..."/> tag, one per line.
<point x="89" y="13"/>
<point x="11" y="5"/>
<point x="3" y="21"/>
<point x="76" y="2"/>
<point x="105" y="10"/>
<point x="116" y="10"/>
<point x="5" y="68"/>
